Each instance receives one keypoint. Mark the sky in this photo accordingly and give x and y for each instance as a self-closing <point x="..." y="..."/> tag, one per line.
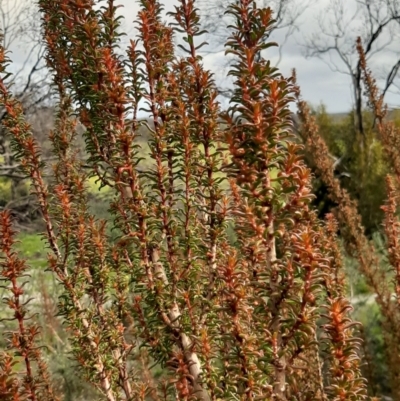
<point x="319" y="84"/>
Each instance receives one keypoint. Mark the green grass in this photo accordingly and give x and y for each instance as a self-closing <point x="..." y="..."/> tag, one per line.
<point x="33" y="249"/>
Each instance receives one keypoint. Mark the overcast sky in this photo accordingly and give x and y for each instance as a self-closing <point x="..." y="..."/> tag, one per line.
<point x="318" y="82"/>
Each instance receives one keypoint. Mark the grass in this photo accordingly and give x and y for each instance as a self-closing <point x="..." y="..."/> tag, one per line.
<point x="32" y="248"/>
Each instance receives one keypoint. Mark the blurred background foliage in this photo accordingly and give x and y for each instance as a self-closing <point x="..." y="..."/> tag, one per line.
<point x="360" y="165"/>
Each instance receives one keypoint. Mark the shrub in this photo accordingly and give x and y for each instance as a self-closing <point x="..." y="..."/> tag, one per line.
<point x="199" y="285"/>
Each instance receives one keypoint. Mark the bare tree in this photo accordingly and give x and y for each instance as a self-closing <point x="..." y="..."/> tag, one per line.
<point x="377" y="23"/>
<point x="20" y="28"/>
<point x="216" y="22"/>
<point x="20" y="31"/>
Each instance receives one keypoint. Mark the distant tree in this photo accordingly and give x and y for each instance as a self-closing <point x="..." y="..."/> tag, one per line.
<point x="377" y="23"/>
<point x="20" y="25"/>
<point x="21" y="29"/>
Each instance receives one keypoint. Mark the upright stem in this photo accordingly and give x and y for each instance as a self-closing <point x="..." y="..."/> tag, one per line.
<point x="280" y="361"/>
<point x="185" y="343"/>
